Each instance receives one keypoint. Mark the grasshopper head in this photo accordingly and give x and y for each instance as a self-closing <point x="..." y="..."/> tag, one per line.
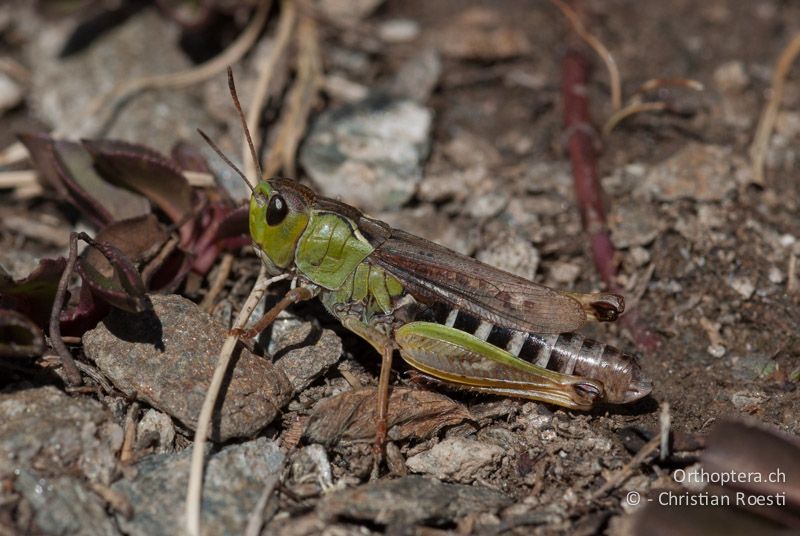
<point x="279" y="212"/>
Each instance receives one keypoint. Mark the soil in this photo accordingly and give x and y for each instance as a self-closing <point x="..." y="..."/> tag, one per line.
<point x="707" y="256"/>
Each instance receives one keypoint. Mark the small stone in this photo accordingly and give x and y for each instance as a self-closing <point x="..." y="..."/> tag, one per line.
<point x="453" y="185"/>
<point x="369" y="153"/>
<point x="409" y="500"/>
<point x="62" y="505"/>
<point x="743" y="286"/>
<point x="11" y="93"/>
<point x="698" y="172"/>
<point x="418" y="76"/>
<point x="776" y="275"/>
<point x="633" y="224"/>
<point x="639" y="256"/>
<point x="344" y="89"/>
<point x="167" y="357"/>
<point x="716" y="350"/>
<point x="303" y="351"/>
<point x="511" y="253"/>
<point x="43" y="427"/>
<point x="235" y="478"/>
<point x="748" y="401"/>
<point x="399" y="30"/>
<point x="486" y="200"/>
<point x="347" y="10"/>
<point x="564" y="273"/>
<point x="731" y="76"/>
<point x="480" y="33"/>
<point x="63" y="88"/>
<point x="457" y="459"/>
<point x="155" y="429"/>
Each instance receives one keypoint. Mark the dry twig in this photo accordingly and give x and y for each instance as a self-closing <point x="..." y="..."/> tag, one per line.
<point x="70" y="369"/>
<point x="195" y="487"/>
<point x="198" y="74"/>
<point x="266" y="71"/>
<point x="598" y="47"/>
<point x="623" y="474"/>
<point x="126" y="453"/>
<point x="299" y="101"/>
<point x="219" y="283"/>
<point x="758" y="150"/>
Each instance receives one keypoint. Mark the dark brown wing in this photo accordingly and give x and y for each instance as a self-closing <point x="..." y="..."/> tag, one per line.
<point x="436" y="273"/>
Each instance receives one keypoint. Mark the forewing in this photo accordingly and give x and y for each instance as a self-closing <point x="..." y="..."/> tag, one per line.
<point x="430" y="271"/>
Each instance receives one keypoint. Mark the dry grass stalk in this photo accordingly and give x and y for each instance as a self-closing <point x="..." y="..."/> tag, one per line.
<point x="766" y="123"/>
<point x="218" y="284"/>
<point x="266" y="74"/>
<point x="195" y="488"/>
<point x="299" y="101"/>
<point x="596" y="45"/>
<point x="195" y="75"/>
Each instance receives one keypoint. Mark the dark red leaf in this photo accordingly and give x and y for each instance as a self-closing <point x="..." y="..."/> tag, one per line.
<point x="68" y="168"/>
<point x="352" y="415"/>
<point x="33" y="296"/>
<point x="78" y="172"/>
<point x="234" y="224"/>
<point x="189" y="157"/>
<point x="19" y="336"/>
<point x="122" y="286"/>
<point x="40" y="147"/>
<point x="149" y="173"/>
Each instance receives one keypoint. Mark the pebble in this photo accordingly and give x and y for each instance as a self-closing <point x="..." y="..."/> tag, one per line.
<point x="234" y="480"/>
<point x="347" y="10"/>
<point x="512" y="253"/>
<point x="44" y="427"/>
<point x="743" y="285"/>
<point x="370" y="153"/>
<point x="480" y="33"/>
<point x="633" y="223"/>
<point x="64" y="88"/>
<point x="418" y="76"/>
<point x="731" y="76"/>
<point x="564" y="273"/>
<point x="62" y="505"/>
<point x="155" y="429"/>
<point x="698" y="172"/>
<point x="748" y="401"/>
<point x="456" y="458"/>
<point x="11" y="93"/>
<point x="167" y="358"/>
<point x="303" y="351"/>
<point x="409" y="500"/>
<point x="399" y="30"/>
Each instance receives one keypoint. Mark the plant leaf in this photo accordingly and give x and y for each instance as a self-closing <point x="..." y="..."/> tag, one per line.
<point x="351" y="416"/>
<point x="149" y="173"/>
<point x="33" y="296"/>
<point x="19" y="336"/>
<point x="122" y="287"/>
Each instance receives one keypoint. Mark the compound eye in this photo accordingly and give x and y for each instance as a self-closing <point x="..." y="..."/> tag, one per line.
<point x="276" y="210"/>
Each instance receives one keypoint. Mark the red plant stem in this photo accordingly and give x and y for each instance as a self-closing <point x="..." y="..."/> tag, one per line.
<point x="588" y="191"/>
<point x="71" y="371"/>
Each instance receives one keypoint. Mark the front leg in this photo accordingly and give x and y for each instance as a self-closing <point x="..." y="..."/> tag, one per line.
<point x="293" y="296"/>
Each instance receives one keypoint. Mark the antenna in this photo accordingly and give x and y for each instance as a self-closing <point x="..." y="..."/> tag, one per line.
<point x="235" y="98"/>
<point x="226" y="159"/>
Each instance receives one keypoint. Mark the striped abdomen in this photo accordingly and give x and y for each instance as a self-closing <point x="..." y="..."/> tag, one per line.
<point x="567" y="353"/>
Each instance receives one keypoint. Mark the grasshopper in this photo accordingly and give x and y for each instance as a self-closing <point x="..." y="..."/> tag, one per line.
<point x="456" y="320"/>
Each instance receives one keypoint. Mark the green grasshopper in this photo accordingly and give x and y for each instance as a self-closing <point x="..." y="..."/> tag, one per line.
<point x="456" y="320"/>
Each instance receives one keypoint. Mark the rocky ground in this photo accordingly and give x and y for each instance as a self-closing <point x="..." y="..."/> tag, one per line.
<point x="443" y="119"/>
